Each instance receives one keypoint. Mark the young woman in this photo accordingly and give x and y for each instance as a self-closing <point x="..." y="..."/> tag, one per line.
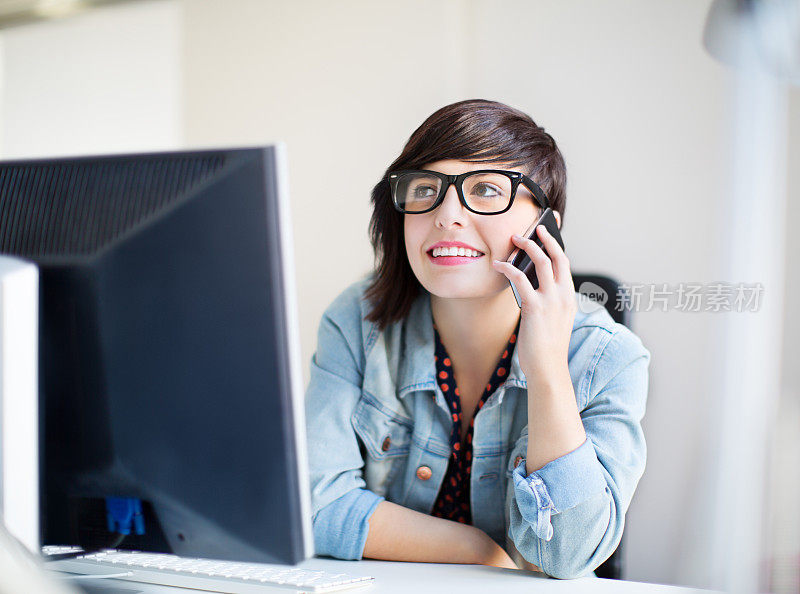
<point x="445" y="422"/>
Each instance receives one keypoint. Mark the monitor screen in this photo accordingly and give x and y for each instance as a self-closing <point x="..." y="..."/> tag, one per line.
<point x="169" y="369"/>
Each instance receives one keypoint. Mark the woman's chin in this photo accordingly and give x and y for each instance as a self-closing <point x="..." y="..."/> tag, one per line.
<point x="467" y="289"/>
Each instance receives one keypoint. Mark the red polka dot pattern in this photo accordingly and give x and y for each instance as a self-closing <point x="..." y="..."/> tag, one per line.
<point x="453" y="502"/>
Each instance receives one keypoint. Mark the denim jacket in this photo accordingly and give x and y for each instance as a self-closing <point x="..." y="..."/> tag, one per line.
<point x="375" y="415"/>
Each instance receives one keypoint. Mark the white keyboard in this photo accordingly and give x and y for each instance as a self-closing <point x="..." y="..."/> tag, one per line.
<point x="207" y="574"/>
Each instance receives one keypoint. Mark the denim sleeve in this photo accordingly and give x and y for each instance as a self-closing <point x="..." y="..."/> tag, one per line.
<point x="340" y="528"/>
<point x="568" y="516"/>
<point x="341" y="505"/>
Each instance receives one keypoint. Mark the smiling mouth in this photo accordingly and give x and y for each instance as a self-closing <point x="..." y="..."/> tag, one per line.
<point x="447" y="261"/>
<point x="445" y="252"/>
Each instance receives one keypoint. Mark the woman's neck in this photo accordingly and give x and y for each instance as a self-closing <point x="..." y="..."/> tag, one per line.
<point x="475" y="331"/>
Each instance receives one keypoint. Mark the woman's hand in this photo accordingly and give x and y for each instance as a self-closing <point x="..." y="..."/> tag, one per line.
<point x="496" y="556"/>
<point x="548" y="312"/>
<point x="499" y="558"/>
<point x="492" y="554"/>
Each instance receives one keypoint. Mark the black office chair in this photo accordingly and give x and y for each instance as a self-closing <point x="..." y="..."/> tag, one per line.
<point x="612" y="567"/>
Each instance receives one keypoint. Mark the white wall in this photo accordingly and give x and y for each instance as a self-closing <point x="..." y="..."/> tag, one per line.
<point x="639" y="109"/>
<point x="339" y="82"/>
<point x="105" y="81"/>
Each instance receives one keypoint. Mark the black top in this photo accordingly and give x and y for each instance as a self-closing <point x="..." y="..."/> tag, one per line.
<point x="453" y="501"/>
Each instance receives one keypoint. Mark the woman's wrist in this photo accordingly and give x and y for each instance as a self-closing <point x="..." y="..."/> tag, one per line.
<point x="482" y="547"/>
<point x="488" y="552"/>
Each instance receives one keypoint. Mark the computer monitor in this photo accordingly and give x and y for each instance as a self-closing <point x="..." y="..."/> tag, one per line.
<point x="169" y="369"/>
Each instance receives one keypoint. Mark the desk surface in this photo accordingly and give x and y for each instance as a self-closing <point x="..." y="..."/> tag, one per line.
<point x="435" y="578"/>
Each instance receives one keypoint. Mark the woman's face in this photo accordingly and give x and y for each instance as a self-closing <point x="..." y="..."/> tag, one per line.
<point x="488" y="234"/>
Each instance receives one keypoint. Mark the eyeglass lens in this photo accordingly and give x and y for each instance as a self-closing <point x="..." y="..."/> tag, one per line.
<point x="483" y="192"/>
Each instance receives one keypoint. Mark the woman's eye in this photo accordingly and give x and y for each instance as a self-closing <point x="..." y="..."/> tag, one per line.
<point x="424" y="191"/>
<point x="486" y="191"/>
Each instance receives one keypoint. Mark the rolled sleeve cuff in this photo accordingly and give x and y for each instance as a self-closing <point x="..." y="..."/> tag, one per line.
<point x="341" y="527"/>
<point x="557" y="486"/>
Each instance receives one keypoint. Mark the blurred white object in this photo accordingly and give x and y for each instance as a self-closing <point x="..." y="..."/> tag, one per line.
<point x="760" y="39"/>
<point x="19" y="406"/>
<point x="763" y="32"/>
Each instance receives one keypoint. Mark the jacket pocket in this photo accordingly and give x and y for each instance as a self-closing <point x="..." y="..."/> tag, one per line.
<point x="519" y="451"/>
<point x="386" y="438"/>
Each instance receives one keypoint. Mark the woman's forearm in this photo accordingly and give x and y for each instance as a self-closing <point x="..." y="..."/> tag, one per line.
<point x="397" y="533"/>
<point x="554" y="421"/>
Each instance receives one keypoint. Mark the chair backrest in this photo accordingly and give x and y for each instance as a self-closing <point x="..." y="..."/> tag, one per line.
<point x="611" y="567"/>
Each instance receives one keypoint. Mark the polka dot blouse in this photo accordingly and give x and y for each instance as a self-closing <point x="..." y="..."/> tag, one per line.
<point x="453" y="502"/>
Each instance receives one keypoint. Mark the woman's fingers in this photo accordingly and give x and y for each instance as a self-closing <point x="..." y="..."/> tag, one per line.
<point x="544" y="268"/>
<point x="558" y="259"/>
<point x="516" y="276"/>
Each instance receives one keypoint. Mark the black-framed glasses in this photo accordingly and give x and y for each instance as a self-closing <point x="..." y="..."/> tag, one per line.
<point x="487" y="191"/>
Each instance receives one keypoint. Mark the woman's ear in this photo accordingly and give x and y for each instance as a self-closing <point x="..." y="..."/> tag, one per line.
<point x="557" y="215"/>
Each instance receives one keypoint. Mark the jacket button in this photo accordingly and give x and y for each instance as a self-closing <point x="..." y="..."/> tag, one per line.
<point x="517" y="461"/>
<point x="424" y="473"/>
<point x="386" y="443"/>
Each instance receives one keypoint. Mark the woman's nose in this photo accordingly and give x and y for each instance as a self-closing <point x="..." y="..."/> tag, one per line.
<point x="450" y="209"/>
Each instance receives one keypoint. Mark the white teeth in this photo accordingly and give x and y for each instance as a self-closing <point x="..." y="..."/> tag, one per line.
<point x="455" y="251"/>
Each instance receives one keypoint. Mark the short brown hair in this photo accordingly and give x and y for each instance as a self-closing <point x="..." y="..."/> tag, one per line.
<point x="474" y="130"/>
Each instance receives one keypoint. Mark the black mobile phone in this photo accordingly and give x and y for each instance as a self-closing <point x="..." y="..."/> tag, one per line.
<point x="520" y="259"/>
